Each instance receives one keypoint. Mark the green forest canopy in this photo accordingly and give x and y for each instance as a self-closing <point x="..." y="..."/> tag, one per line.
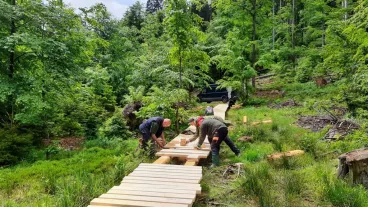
<point x="66" y="73"/>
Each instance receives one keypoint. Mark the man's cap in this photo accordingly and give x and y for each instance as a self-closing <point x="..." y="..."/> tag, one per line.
<point x="191" y="119"/>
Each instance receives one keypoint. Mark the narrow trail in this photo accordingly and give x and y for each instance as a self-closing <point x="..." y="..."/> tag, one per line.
<point x="160" y="184"/>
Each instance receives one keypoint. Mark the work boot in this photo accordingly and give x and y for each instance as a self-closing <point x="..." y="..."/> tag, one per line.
<point x="215" y="161"/>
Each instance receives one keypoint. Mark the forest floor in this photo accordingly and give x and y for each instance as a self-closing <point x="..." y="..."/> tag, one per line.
<point x="304" y="181"/>
<point x="74" y="177"/>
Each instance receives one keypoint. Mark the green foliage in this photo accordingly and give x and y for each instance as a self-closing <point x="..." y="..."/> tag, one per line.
<point x="161" y="102"/>
<point x="114" y="127"/>
<point x="14" y="145"/>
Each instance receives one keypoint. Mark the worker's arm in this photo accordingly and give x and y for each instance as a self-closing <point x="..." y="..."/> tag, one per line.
<point x="202" y="136"/>
<point x="153" y="130"/>
<point x="163" y="138"/>
<point x="157" y="141"/>
<point x="195" y="136"/>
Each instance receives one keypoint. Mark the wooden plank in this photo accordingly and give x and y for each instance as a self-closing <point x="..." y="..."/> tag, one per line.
<point x="190" y="163"/>
<point x="128" y="203"/>
<point x="159" y="185"/>
<point x="155" y="190"/>
<point x="173" y="154"/>
<point x="191" y="196"/>
<point x="153" y="170"/>
<point x="165" y="183"/>
<point x="170" y="166"/>
<point x="161" y="179"/>
<point x="147" y="198"/>
<point x="165" y="175"/>
<point x="171" y="169"/>
<point x="157" y="173"/>
<point x="163" y="160"/>
<point x="193" y="151"/>
<point x="181" y="167"/>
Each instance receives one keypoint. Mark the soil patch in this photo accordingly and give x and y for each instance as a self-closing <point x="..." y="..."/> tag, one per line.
<point x="289" y="103"/>
<point x="340" y="128"/>
<point x="68" y="143"/>
<point x="271" y="94"/>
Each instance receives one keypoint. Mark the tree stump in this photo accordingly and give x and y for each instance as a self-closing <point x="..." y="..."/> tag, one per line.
<point x="356" y="163"/>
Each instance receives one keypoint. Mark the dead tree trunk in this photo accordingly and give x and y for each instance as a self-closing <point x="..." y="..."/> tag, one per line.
<point x="356" y="163"/>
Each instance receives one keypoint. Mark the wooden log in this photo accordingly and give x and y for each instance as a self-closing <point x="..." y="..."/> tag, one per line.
<point x="280" y="155"/>
<point x="261" y="122"/>
<point x="163" y="160"/>
<point x="245" y="139"/>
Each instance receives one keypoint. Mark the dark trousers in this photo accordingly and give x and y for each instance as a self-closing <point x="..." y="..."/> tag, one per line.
<point x="147" y="141"/>
<point x="222" y="134"/>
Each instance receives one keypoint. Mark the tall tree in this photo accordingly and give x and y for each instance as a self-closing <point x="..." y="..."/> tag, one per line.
<point x="153" y="6"/>
<point x="134" y="16"/>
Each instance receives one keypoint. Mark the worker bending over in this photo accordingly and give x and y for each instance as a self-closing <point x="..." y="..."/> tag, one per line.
<point x="152" y="130"/>
<point x="216" y="131"/>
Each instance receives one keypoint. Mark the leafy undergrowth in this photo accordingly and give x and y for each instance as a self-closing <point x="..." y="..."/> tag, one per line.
<point x="305" y="181"/>
<point x="73" y="181"/>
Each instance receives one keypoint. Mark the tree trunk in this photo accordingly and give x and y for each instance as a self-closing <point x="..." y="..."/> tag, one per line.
<point x="180" y="68"/>
<point x="293" y="34"/>
<point x="12" y="52"/>
<point x="354" y="162"/>
<point x="177" y="118"/>
<point x="254" y="33"/>
<point x="273" y="24"/>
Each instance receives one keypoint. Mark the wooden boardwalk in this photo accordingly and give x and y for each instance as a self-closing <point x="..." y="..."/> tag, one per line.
<point x="160" y="184"/>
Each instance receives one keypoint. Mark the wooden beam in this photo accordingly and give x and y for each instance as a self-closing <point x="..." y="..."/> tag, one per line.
<point x="163" y="160"/>
<point x="190" y="163"/>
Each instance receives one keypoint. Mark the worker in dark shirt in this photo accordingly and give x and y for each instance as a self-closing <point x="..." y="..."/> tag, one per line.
<point x="194" y="121"/>
<point x="151" y="130"/>
<point x="216" y="132"/>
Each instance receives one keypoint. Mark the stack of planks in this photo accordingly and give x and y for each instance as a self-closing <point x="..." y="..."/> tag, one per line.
<point x="154" y="185"/>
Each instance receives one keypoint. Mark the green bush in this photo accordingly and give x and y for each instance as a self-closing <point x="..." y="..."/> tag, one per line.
<point x="115" y="127"/>
<point x="13" y="146"/>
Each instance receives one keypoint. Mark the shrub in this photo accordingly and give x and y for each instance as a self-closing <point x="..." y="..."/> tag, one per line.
<point x="114" y="127"/>
<point x="13" y="146"/>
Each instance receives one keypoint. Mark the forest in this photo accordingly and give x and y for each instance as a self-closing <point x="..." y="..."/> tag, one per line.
<point x="76" y="83"/>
